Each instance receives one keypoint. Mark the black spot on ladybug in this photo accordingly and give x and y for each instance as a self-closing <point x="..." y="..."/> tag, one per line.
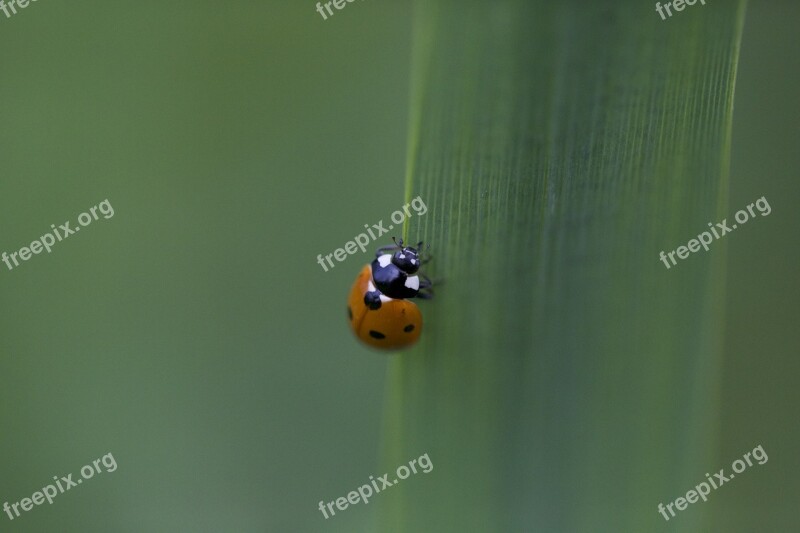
<point x="376" y="334"/>
<point x="409" y="328"/>
<point x="349" y="313"/>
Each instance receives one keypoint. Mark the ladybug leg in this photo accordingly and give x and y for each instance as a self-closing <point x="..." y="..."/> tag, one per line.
<point x="426" y="281"/>
<point x="424" y="254"/>
<point x="425" y="295"/>
<point x="425" y="285"/>
<point x="398" y="245"/>
<point x="428" y="257"/>
<point x="383" y="249"/>
<point x="373" y="300"/>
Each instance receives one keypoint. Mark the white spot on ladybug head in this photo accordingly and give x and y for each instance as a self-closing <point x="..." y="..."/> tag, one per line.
<point x="385" y="260"/>
<point x="402" y="256"/>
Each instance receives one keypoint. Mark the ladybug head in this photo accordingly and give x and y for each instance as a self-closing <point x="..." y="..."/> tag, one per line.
<point x="406" y="258"/>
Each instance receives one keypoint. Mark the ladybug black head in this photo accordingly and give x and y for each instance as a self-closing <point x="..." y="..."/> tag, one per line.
<point x="406" y="258"/>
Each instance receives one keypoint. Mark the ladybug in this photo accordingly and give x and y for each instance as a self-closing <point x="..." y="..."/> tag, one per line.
<point x="379" y="308"/>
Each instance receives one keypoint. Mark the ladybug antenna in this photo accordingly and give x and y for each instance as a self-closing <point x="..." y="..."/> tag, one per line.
<point x="398" y="244"/>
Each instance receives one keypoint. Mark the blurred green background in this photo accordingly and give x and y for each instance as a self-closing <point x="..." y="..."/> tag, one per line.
<point x="194" y="336"/>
